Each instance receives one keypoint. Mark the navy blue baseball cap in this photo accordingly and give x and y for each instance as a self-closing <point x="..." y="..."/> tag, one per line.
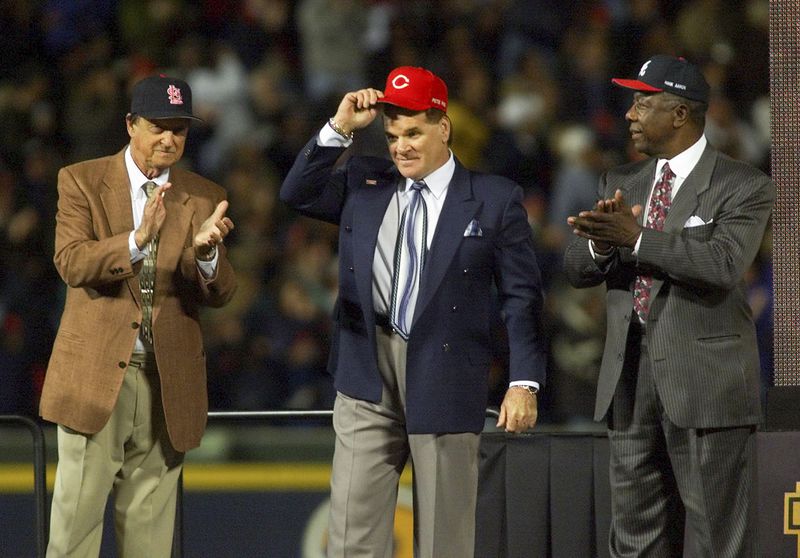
<point x="162" y="97"/>
<point x="670" y="74"/>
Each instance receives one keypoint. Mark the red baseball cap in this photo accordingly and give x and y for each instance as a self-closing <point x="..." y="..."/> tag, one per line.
<point x="415" y="89"/>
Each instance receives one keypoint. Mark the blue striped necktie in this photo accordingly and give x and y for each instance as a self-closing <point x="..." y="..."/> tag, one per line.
<point x="409" y="259"/>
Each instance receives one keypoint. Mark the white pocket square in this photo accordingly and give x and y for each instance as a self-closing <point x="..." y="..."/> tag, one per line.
<point x="473" y="229"/>
<point x="695" y="221"/>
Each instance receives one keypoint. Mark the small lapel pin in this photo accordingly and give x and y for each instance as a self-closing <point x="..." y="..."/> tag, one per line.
<point x="371" y="182"/>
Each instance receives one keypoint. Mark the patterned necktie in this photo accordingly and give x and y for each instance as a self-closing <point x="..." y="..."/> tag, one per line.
<point x="409" y="259"/>
<point x="656" y="215"/>
<point x="147" y="277"/>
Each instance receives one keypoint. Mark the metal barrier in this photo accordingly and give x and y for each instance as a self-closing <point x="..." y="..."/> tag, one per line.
<point x="177" y="540"/>
<point x="39" y="478"/>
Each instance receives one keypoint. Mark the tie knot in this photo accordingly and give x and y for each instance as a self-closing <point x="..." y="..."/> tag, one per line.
<point x="419" y="186"/>
<point x="149" y="188"/>
<point x="666" y="172"/>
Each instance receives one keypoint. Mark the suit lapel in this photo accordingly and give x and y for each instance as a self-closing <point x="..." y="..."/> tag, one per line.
<point x="458" y="209"/>
<point x="116" y="198"/>
<point x="685" y="202"/>
<point x="636" y="190"/>
<point x="368" y="216"/>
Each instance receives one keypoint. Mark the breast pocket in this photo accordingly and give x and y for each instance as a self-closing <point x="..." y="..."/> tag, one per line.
<point x="476" y="251"/>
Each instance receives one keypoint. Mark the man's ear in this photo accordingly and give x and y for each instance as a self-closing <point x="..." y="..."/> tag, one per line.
<point x="444" y="127"/>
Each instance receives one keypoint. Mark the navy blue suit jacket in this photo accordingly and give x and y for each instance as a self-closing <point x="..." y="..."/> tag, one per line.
<point x="449" y="348"/>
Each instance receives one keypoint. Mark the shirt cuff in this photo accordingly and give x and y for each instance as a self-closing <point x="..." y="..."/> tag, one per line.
<point x="136" y="254"/>
<point x="598" y="257"/>
<point x="635" y="251"/>
<point x="525" y="383"/>
<point x="328" y="138"/>
<point x="209" y="268"/>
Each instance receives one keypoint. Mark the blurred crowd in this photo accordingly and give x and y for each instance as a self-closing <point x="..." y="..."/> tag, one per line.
<point x="530" y="98"/>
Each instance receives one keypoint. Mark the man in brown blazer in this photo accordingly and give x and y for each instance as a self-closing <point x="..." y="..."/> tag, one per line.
<point x="126" y="381"/>
<point x="672" y="238"/>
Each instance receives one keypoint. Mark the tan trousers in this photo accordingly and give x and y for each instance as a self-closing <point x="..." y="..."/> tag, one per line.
<point x="372" y="448"/>
<point x="131" y="457"/>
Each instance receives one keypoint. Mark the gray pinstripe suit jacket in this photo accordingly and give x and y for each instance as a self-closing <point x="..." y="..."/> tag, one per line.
<point x="701" y="336"/>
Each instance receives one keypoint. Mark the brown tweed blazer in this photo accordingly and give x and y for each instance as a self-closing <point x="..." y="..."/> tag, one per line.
<point x="102" y="314"/>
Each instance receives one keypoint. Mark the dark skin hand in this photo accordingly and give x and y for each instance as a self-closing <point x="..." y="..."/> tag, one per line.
<point x="612" y="223"/>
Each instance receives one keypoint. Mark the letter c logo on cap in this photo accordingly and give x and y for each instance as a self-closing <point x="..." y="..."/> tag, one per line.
<point x="400" y="82"/>
<point x="644" y="68"/>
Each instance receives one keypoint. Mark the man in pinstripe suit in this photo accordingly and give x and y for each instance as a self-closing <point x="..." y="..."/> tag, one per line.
<point x="679" y="380"/>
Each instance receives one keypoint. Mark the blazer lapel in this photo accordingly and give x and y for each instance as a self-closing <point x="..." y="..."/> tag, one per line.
<point x="367" y="218"/>
<point x="685" y="202"/>
<point x="458" y="209"/>
<point x="636" y="191"/>
<point x="116" y="198"/>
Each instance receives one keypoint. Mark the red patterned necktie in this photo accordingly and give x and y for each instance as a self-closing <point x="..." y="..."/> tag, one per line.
<point x="656" y="215"/>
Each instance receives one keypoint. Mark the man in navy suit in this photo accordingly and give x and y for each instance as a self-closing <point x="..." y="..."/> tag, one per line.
<point x="424" y="245"/>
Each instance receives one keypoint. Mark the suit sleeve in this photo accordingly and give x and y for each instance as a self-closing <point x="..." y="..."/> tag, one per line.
<point x="520" y="291"/>
<point x="81" y="258"/>
<point x="218" y="290"/>
<point x="312" y="187"/>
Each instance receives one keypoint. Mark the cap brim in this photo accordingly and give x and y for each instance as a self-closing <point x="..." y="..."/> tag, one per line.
<point x="405" y="103"/>
<point x="636" y="85"/>
<point x="161" y="116"/>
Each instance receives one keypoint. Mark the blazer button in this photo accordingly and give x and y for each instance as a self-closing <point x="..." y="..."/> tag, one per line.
<point x="446" y="347"/>
<point x="122" y="364"/>
<point x="351" y="268"/>
<point x="466" y="270"/>
<point x="454" y="308"/>
<point x="134" y="325"/>
<point x="348" y="228"/>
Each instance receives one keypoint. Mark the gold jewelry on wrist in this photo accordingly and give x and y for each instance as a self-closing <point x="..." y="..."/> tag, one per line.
<point x="338" y="129"/>
<point x="530" y="389"/>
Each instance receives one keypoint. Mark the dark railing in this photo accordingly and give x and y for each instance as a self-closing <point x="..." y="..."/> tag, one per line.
<point x="177" y="541"/>
<point x="40" y="466"/>
<point x="39" y="478"/>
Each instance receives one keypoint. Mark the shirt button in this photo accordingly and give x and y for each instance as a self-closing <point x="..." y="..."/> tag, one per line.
<point x="122" y="364"/>
<point x="134" y="325"/>
<point x="454" y="308"/>
<point x="446" y="347"/>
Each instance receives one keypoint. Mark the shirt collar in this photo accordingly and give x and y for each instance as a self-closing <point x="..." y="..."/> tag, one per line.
<point x="683" y="163"/>
<point x="137" y="178"/>
<point x="438" y="180"/>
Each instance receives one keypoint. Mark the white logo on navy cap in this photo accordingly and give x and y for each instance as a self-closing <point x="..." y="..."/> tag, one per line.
<point x="644" y="68"/>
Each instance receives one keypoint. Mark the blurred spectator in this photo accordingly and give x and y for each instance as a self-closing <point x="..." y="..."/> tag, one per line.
<point x="530" y="99"/>
<point x="332" y="41"/>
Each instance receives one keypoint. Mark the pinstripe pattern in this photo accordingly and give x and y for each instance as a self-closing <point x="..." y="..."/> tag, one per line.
<point x="702" y="360"/>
